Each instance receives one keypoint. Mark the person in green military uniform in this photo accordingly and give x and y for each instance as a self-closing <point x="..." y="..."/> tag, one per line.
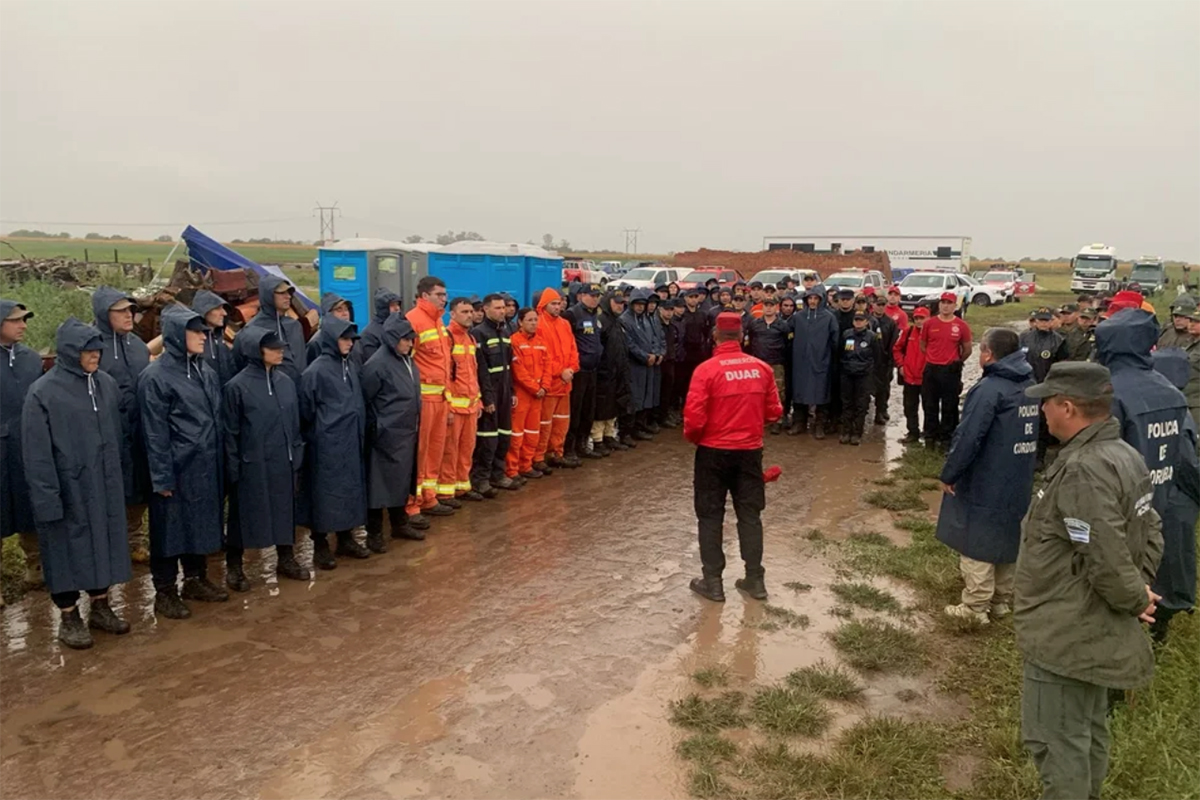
<point x="1078" y="348"/>
<point x="1090" y="547"/>
<point x="1176" y="334"/>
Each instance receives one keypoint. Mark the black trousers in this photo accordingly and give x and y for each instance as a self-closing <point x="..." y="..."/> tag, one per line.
<point x="683" y="379"/>
<point x="856" y="396"/>
<point x="164" y="570"/>
<point x="940" y="387"/>
<point x="912" y="405"/>
<point x="492" y="437"/>
<point x="883" y="391"/>
<point x="666" y="397"/>
<point x="718" y="473"/>
<point x="583" y="412"/>
<point x="800" y="415"/>
<point x="396" y="515"/>
<point x="65" y="600"/>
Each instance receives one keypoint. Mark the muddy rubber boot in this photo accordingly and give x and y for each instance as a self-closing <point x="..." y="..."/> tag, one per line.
<point x="614" y="444"/>
<point x="555" y="461"/>
<point x="402" y="530"/>
<point x="347" y="545"/>
<point x="375" y="542"/>
<point x="540" y="466"/>
<point x="910" y="438"/>
<point x="755" y="587"/>
<point x="776" y="429"/>
<point x="643" y="435"/>
<point x="288" y="567"/>
<point x="855" y="439"/>
<point x="418" y="521"/>
<point x="571" y="461"/>
<point x="322" y="555"/>
<point x="472" y="496"/>
<point x="593" y="454"/>
<point x="168" y="603"/>
<point x="796" y="429"/>
<point x="72" y="632"/>
<point x="819" y="430"/>
<point x="653" y="428"/>
<point x="203" y="590"/>
<point x="452" y="502"/>
<point x="844" y="439"/>
<point x="235" y="578"/>
<point x="506" y="483"/>
<point x="879" y="420"/>
<point x="708" y="588"/>
<point x="439" y="510"/>
<point x="603" y="449"/>
<point x="627" y="442"/>
<point x="488" y="492"/>
<point x="103" y="618"/>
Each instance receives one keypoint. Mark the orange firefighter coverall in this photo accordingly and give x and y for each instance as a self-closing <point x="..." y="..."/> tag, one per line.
<point x="561" y="354"/>
<point x="529" y="373"/>
<point x="432" y="357"/>
<point x="464" y="399"/>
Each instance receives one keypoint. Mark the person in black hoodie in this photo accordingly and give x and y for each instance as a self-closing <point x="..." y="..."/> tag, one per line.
<point x="586" y="324"/>
<point x="20" y="366"/>
<point x="387" y="302"/>
<point x="333" y="420"/>
<point x="334" y="306"/>
<point x="1044" y="347"/>
<point x="843" y="315"/>
<point x="71" y="440"/>
<point x="217" y="354"/>
<point x="493" y="354"/>
<point x="274" y="299"/>
<point x="510" y="314"/>
<point x="858" y="347"/>
<point x="696" y="338"/>
<point x="612" y="378"/>
<point x="665" y="414"/>
<point x="887" y="332"/>
<point x="767" y="339"/>
<point x="124" y="357"/>
<point x="263" y="454"/>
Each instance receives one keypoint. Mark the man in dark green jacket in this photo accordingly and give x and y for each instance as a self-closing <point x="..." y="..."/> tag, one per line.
<point x="1090" y="546"/>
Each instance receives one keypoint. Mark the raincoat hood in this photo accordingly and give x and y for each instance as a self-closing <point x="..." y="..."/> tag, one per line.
<point x="205" y="301"/>
<point x="1013" y="367"/>
<point x="395" y="328"/>
<point x="573" y="290"/>
<point x="72" y="338"/>
<point x="1172" y="364"/>
<point x="266" y="295"/>
<point x="383" y="303"/>
<point x="331" y="299"/>
<point x="549" y="295"/>
<point x="102" y="300"/>
<point x="1125" y="339"/>
<point x="249" y="342"/>
<point x="331" y="330"/>
<point x="639" y="296"/>
<point x="7" y="306"/>
<point x="175" y="319"/>
<point x="813" y="292"/>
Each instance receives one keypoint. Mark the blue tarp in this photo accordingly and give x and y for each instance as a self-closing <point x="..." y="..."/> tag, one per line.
<point x="207" y="253"/>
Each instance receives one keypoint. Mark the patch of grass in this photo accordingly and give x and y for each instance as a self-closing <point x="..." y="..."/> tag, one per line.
<point x="706" y="748"/>
<point x="865" y="595"/>
<point x="841" y="611"/>
<point x="887" y="480"/>
<point x="709" y="715"/>
<point x="798" y="587"/>
<point x="775" y="773"/>
<point x="12" y="569"/>
<point x="768" y="626"/>
<point x="826" y="680"/>
<point x="929" y="485"/>
<point x="711" y="676"/>
<point x="886" y="757"/>
<point x="814" y="535"/>
<point x="916" y="525"/>
<point x="925" y="563"/>
<point x="786" y="616"/>
<point x="901" y="498"/>
<point x="873" y="645"/>
<point x="790" y="712"/>
<point x="870" y="537"/>
<point x="706" y="783"/>
<point x="917" y="463"/>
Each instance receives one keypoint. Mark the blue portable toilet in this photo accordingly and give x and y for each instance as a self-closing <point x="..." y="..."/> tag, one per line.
<point x="355" y="268"/>
<point x="481" y="268"/>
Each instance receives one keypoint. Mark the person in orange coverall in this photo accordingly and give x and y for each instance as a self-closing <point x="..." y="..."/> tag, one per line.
<point x="529" y="390"/>
<point x="432" y="357"/>
<point x="454" y="478"/>
<point x="562" y="362"/>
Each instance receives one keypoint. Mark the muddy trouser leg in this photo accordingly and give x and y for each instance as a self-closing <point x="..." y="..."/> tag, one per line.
<point x="847" y="390"/>
<point x="883" y="390"/>
<point x="66" y="600"/>
<point x="164" y="571"/>
<point x="233" y="556"/>
<point x="800" y="416"/>
<point x="749" y="499"/>
<point x="583" y="412"/>
<point x="912" y="407"/>
<point x="1064" y="727"/>
<point x="979" y="583"/>
<point x="862" y="401"/>
<point x="135" y="525"/>
<point x="710" y="484"/>
<point x="627" y="424"/>
<point x="431" y="444"/>
<point x="597" y="432"/>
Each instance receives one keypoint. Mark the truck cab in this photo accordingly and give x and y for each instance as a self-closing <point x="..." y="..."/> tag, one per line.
<point x="1094" y="269"/>
<point x="1149" y="273"/>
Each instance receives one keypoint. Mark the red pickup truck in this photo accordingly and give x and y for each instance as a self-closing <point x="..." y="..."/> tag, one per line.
<point x="702" y="275"/>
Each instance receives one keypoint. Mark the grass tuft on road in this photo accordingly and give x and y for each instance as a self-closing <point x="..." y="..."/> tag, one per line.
<point x="785" y="616"/>
<point x="709" y="715"/>
<point x="901" y="498"/>
<point x="867" y="596"/>
<point x="798" y="587"/>
<point x="709" y="677"/>
<point x="873" y="645"/>
<point x="887" y="757"/>
<point x="825" y="680"/>
<point x="790" y="712"/>
<point x="706" y="748"/>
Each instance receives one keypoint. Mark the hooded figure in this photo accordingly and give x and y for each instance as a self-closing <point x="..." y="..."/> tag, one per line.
<point x="990" y="465"/>
<point x="814" y="337"/>
<point x="333" y="420"/>
<point x="1155" y="421"/>
<point x="289" y="331"/>
<point x="180" y="404"/>
<point x="329" y="301"/>
<point x="20" y="367"/>
<point x="613" y="396"/>
<point x="392" y="393"/>
<point x="71" y="437"/>
<point x="263" y="454"/>
<point x="217" y="354"/>
<point x="643" y="344"/>
<point x="372" y="335"/>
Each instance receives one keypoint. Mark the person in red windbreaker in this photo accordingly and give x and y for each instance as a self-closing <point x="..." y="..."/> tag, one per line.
<point x="731" y="398"/>
<point x="910" y="360"/>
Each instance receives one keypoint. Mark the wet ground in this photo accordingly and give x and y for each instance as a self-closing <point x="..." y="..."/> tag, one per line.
<point x="528" y="648"/>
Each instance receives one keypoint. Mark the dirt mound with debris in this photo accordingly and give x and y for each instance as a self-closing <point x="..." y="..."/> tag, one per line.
<point x="747" y="264"/>
<point x="72" y="273"/>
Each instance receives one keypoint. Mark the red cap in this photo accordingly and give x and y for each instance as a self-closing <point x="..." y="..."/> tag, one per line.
<point x="893" y="289"/>
<point x="921" y="312"/>
<point x="1122" y="301"/>
<point x="869" y="291"/>
<point x="949" y="297"/>
<point x="728" y="321"/>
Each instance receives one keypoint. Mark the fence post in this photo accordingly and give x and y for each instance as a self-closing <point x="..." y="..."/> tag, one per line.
<point x="115" y="259"/>
<point x="85" y="255"/>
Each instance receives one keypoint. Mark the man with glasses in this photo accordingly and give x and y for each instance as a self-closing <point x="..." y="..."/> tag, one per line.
<point x="432" y="357"/>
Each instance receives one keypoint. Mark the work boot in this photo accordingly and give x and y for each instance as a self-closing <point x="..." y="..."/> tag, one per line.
<point x="439" y="510"/>
<point x="602" y="448"/>
<point x="418" y="521"/>
<point x="819" y="430"/>
<point x="532" y="474"/>
<point x="472" y="496"/>
<point x="755" y="587"/>
<point x="571" y="461"/>
<point x="519" y="481"/>
<point x="1001" y="610"/>
<point x="402" y="530"/>
<point x="168" y="603"/>
<point x="375" y="542"/>
<point x="614" y="444"/>
<point x="709" y="588"/>
<point x="450" y="501"/>
<point x="653" y="428"/>
<point x="540" y="466"/>
<point x="643" y="435"/>
<point x="855" y="439"/>
<point x="235" y="578"/>
<point x="554" y="460"/>
<point x="911" y="438"/>
<point x="103" y="618"/>
<point x="844" y="438"/>
<point x="347" y="545"/>
<point x="203" y="590"/>
<point x="966" y="612"/>
<point x="776" y="428"/>
<point x="322" y="555"/>
<point x="489" y="492"/>
<point x="72" y="632"/>
<point x="286" y="566"/>
<point x="668" y="422"/>
<point x="506" y="483"/>
<point x="593" y="454"/>
<point x="627" y="442"/>
<point x="879" y="420"/>
<point x="797" y="428"/>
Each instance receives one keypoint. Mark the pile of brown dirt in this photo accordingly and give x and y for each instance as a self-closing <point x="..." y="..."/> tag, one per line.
<point x="825" y="264"/>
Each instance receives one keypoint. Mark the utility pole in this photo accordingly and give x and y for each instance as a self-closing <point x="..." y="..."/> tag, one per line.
<point x="631" y="237"/>
<point x="327" y="224"/>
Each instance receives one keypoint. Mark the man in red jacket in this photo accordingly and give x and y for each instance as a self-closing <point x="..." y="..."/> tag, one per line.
<point x="910" y="360"/>
<point x="732" y="397"/>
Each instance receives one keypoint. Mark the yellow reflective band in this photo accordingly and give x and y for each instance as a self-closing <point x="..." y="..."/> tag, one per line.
<point x="464" y="486"/>
<point x="430" y="388"/>
<point x="506" y="341"/>
<point x="491" y="342"/>
<point x="506" y="433"/>
<point x="500" y="368"/>
<point x="488" y="434"/>
<point x="430" y="484"/>
<point x="428" y="336"/>
<point x="459" y="402"/>
<point x="445" y="488"/>
<point x="462" y="350"/>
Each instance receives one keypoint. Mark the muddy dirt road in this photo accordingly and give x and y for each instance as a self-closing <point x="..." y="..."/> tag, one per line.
<point x="528" y="648"/>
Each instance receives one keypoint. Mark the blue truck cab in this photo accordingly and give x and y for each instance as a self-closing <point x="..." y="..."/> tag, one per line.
<point x="355" y="268"/>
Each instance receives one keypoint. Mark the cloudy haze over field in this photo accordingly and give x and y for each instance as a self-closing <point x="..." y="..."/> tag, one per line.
<point x="1034" y="128"/>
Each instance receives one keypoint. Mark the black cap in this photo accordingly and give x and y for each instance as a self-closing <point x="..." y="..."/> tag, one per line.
<point x="270" y="341"/>
<point x="860" y="315"/>
<point x="589" y="288"/>
<point x="197" y="324"/>
<point x="1082" y="379"/>
<point x="712" y="280"/>
<point x="845" y="294"/>
<point x="662" y="287"/>
<point x="668" y="303"/>
<point x="756" y="284"/>
<point x="694" y="291"/>
<point x="1044" y="313"/>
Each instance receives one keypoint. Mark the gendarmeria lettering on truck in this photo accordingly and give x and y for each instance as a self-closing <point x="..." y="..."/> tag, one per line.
<point x="1027" y="412"/>
<point x="1162" y="430"/>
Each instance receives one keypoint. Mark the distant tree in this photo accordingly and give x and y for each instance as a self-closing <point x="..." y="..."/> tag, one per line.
<point x="238" y="241"/>
<point x="548" y="241"/>
<point x="64" y="235"/>
<point x="450" y="237"/>
<point x="416" y="238"/>
<point x="23" y="233"/>
<point x="94" y="236"/>
<point x="116" y="237"/>
<point x="165" y="238"/>
<point x="563" y="246"/>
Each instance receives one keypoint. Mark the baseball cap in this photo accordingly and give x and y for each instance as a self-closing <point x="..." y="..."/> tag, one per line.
<point x="859" y="315"/>
<point x="1044" y="313"/>
<point x="270" y="341"/>
<point x="756" y="285"/>
<point x="695" y="290"/>
<point x="869" y="291"/>
<point x="728" y="321"/>
<point x="1068" y="308"/>
<point x="668" y="303"/>
<point x="19" y="312"/>
<point x="770" y="300"/>
<point x="921" y="312"/>
<point x="1185" y="302"/>
<point x="948" y="297"/>
<point x="1082" y="379"/>
<point x="589" y="288"/>
<point x="1124" y="300"/>
<point x="844" y="294"/>
<point x="1089" y="313"/>
<point x="893" y="289"/>
<point x="283" y="287"/>
<point x="122" y="304"/>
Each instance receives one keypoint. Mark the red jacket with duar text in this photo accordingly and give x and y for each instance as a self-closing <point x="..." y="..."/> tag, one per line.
<point x="731" y="398"/>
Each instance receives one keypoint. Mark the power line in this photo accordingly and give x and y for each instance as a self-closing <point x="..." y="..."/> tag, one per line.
<point x="327" y="225"/>
<point x="147" y="224"/>
<point x="631" y="239"/>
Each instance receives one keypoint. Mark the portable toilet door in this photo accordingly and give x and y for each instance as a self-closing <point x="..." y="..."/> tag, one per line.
<point x="344" y="272"/>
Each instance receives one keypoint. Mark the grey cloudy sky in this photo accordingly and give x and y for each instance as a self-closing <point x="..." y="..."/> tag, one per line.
<point x="1033" y="127"/>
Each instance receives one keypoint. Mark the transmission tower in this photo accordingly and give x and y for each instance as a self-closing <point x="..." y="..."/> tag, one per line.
<point x="327" y="222"/>
<point x="631" y="237"/>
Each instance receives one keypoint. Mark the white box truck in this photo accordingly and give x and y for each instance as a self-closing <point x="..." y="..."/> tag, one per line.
<point x="1094" y="269"/>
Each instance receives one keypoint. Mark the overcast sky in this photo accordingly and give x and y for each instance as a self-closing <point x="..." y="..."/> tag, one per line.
<point x="1034" y="128"/>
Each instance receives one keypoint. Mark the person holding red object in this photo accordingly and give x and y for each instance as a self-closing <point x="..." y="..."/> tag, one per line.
<point x="432" y="357"/>
<point x="529" y="390"/>
<point x="731" y="398"/>
<point x="462" y="393"/>
<point x="910" y="361"/>
<point x="562" y="362"/>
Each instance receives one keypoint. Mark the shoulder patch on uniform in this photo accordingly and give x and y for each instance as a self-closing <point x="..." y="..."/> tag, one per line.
<point x="1078" y="530"/>
<point x="1143" y="504"/>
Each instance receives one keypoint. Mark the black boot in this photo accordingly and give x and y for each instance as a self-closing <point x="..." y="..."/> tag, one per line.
<point x="911" y="438"/>
<point x="453" y="502"/>
<point x="627" y="441"/>
<point x="235" y="578"/>
<point x="168" y="603"/>
<point x="615" y="445"/>
<point x="486" y="491"/>
<point x="402" y="530"/>
<point x="844" y="438"/>
<point x="708" y="588"/>
<point x="571" y="461"/>
<point x="797" y="428"/>
<point x="855" y="439"/>
<point x="103" y="618"/>
<point x="288" y="567"/>
<point x="819" y="429"/>
<point x="322" y="555"/>
<point x="533" y="473"/>
<point x="418" y="521"/>
<point x="440" y="510"/>
<point x="776" y="428"/>
<point x="506" y="483"/>
<point x="375" y="542"/>
<point x="643" y="435"/>
<point x="594" y="454"/>
<point x="203" y="590"/>
<point x="72" y="632"/>
<point x="473" y="496"/>
<point x="347" y="545"/>
<point x="755" y="587"/>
